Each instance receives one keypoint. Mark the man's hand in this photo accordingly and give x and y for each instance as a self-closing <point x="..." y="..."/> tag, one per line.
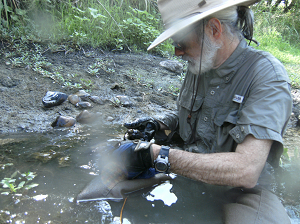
<point x="148" y="126"/>
<point x="135" y="156"/>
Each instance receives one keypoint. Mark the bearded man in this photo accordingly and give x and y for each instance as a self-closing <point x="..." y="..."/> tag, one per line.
<point x="233" y="107"/>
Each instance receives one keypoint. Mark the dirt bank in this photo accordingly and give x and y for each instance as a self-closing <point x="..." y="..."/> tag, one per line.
<point x="149" y="87"/>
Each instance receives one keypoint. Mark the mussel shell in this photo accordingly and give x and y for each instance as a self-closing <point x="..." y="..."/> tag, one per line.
<point x="62" y="121"/>
<point x="83" y="104"/>
<point x="52" y="99"/>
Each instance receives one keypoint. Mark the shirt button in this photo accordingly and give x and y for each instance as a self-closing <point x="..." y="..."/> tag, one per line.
<point x="227" y="78"/>
<point x="212" y="92"/>
<point x="237" y="136"/>
<point x="205" y="118"/>
<point x="242" y="129"/>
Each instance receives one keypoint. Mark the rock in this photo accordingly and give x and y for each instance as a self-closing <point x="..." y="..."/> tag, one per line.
<point x="74" y="99"/>
<point x="109" y="118"/>
<point x="96" y="99"/>
<point x="173" y="66"/>
<point x="83" y="95"/>
<point x="124" y="100"/>
<point x="54" y="99"/>
<point x="62" y="121"/>
<point x="64" y="161"/>
<point x="86" y="117"/>
<point x="84" y="104"/>
<point x="116" y="86"/>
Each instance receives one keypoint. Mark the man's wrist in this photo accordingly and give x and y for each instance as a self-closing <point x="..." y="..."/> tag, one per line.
<point x="155" y="150"/>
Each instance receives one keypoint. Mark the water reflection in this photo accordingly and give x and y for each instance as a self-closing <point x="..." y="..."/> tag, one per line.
<point x="163" y="193"/>
<point x="178" y="201"/>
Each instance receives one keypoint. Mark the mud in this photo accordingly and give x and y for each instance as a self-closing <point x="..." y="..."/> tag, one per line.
<point x="149" y="87"/>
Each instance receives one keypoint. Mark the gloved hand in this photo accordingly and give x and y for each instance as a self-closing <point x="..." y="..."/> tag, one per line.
<point x="148" y="126"/>
<point x="136" y="157"/>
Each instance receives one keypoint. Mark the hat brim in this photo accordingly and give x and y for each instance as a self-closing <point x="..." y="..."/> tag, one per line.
<point x="183" y="23"/>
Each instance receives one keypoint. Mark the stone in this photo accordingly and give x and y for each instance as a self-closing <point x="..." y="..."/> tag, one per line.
<point x="62" y="121"/>
<point x="74" y="99"/>
<point x="52" y="99"/>
<point x="173" y="66"/>
<point x="96" y="99"/>
<point x="84" y="104"/>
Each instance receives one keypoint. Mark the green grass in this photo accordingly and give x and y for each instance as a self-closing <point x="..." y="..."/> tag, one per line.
<point x="130" y="25"/>
<point x="278" y="34"/>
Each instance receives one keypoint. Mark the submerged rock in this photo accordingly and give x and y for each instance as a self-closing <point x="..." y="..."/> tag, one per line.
<point x="45" y="156"/>
<point x="64" y="161"/>
<point x="52" y="99"/>
<point x="86" y="117"/>
<point x="74" y="99"/>
<point x="62" y="121"/>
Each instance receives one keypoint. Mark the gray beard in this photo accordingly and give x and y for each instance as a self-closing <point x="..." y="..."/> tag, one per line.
<point x="209" y="54"/>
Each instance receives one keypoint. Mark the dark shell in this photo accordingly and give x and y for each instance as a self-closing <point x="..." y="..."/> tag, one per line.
<point x="83" y="104"/>
<point x="73" y="99"/>
<point x="54" y="99"/>
<point x="62" y="121"/>
<point x="96" y="99"/>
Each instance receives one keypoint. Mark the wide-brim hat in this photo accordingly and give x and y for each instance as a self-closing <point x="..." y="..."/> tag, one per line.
<point x="179" y="14"/>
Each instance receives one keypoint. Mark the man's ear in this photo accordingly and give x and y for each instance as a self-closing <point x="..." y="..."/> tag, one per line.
<point x="214" y="27"/>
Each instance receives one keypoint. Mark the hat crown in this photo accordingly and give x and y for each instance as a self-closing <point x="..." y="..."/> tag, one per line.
<point x="179" y="14"/>
<point x="173" y="10"/>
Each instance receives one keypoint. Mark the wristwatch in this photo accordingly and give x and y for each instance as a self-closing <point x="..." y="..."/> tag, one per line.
<point x="161" y="164"/>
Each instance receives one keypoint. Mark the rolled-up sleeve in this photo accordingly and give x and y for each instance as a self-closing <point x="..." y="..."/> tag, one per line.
<point x="267" y="109"/>
<point x="169" y="119"/>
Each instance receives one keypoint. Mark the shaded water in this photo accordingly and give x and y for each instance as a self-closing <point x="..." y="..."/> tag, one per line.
<point x="66" y="161"/>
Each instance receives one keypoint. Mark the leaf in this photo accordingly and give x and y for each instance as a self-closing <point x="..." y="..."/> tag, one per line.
<point x="21" y="12"/>
<point x="14" y="174"/>
<point x="27" y="187"/>
<point x="95" y="14"/>
<point x="21" y="185"/>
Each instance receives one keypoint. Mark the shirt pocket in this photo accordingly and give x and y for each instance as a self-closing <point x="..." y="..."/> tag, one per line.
<point x="226" y="114"/>
<point x="186" y="98"/>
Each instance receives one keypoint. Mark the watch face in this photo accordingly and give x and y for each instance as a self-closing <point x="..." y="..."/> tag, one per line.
<point x="161" y="166"/>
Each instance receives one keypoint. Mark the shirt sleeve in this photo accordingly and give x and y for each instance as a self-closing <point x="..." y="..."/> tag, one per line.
<point x="268" y="106"/>
<point x="169" y="119"/>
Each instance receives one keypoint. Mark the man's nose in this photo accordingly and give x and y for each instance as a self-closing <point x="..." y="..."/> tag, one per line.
<point x="178" y="52"/>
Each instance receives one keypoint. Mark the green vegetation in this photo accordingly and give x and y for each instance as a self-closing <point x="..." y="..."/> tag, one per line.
<point x="17" y="182"/>
<point x="277" y="31"/>
<point x="29" y="28"/>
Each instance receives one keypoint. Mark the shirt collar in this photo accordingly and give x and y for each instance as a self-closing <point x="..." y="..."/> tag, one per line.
<point x="230" y="65"/>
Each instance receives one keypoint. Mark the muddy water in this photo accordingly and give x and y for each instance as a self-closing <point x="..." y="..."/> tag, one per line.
<point x="64" y="161"/>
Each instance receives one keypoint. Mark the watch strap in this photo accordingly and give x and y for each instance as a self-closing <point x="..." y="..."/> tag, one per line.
<point x="164" y="151"/>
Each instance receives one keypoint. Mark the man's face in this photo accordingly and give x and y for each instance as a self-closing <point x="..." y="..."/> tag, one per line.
<point x="189" y="48"/>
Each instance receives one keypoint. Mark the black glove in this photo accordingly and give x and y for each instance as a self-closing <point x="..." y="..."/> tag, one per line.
<point x="148" y="126"/>
<point x="135" y="156"/>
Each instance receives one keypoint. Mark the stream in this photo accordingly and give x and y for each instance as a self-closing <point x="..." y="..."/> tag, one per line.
<point x="62" y="162"/>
